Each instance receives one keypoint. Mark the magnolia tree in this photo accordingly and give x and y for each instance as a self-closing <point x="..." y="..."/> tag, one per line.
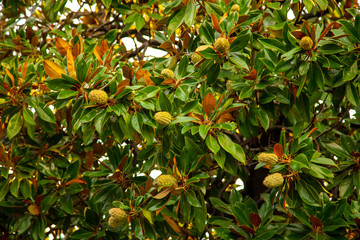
<point x="260" y="92"/>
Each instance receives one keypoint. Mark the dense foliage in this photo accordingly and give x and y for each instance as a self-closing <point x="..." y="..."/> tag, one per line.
<point x="85" y="119"/>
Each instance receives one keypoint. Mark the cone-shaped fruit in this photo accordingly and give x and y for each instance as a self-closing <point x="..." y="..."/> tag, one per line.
<point x="167" y="73"/>
<point x="235" y="8"/>
<point x="222" y="45"/>
<point x="273" y="180"/>
<point x="117" y="217"/>
<point x="34" y="210"/>
<point x="163" y="118"/>
<point x="306" y="43"/>
<point x="165" y="180"/>
<point x="98" y="96"/>
<point x="196" y="57"/>
<point x="268" y="158"/>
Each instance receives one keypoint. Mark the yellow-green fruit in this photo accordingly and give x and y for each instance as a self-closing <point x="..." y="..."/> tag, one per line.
<point x="222" y="45"/>
<point x="235" y="8"/>
<point x="167" y="73"/>
<point x="273" y="180"/>
<point x="163" y="118"/>
<point x="113" y="222"/>
<point x="165" y="180"/>
<point x="306" y="43"/>
<point x="196" y="57"/>
<point x="118" y="217"/>
<point x="98" y="96"/>
<point x="34" y="210"/>
<point x="229" y="87"/>
<point x="268" y="158"/>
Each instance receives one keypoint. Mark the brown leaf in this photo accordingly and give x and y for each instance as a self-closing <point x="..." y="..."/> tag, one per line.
<point x="327" y="29"/>
<point x="316" y="221"/>
<point x="122" y="85"/>
<point x="278" y="150"/>
<point x="312" y="131"/>
<point x="24" y="70"/>
<point x="97" y="55"/>
<point x="70" y="62"/>
<point x="168" y="81"/>
<point x="172" y="224"/>
<point x="162" y="194"/>
<point x="243" y="18"/>
<point x="62" y="46"/>
<point x="298" y="34"/>
<point x="123" y="162"/>
<point x="149" y="184"/>
<point x="10" y="76"/>
<point x="104" y="46"/>
<point x="142" y="73"/>
<point x="215" y="23"/>
<point x="127" y="72"/>
<point x="252" y="75"/>
<point x="226" y="2"/>
<point x="52" y="69"/>
<point x="89" y="159"/>
<point x="255" y="219"/>
<point x="225" y="118"/>
<point x="247" y="229"/>
<point x="208" y="103"/>
<point x="75" y="181"/>
<point x="76" y="50"/>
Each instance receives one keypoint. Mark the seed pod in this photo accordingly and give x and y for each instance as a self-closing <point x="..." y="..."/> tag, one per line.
<point x="273" y="180"/>
<point x="222" y="45"/>
<point x="268" y="158"/>
<point x="306" y="43"/>
<point x="98" y="96"/>
<point x="163" y="118"/>
<point x="196" y="57"/>
<point x="235" y="8"/>
<point x="117" y="217"/>
<point x="165" y="180"/>
<point x="167" y="73"/>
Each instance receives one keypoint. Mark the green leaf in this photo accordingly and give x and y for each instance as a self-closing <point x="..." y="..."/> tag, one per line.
<point x="307" y="193"/>
<point x="190" y="13"/>
<point x="203" y="130"/>
<point x="234" y="149"/>
<point x="240" y="42"/>
<point x="299" y="162"/>
<point x="164" y="102"/>
<point x="183" y="65"/>
<point x="206" y="33"/>
<point x="175" y="20"/>
<point x="67" y="94"/>
<point x="273" y="44"/>
<point x="4" y="188"/>
<point x="14" y="125"/>
<point x="212" y="144"/>
<point x="82" y="234"/>
<point x="48" y="201"/>
<point x="14" y="188"/>
<point x="28" y="117"/>
<point x="137" y="121"/>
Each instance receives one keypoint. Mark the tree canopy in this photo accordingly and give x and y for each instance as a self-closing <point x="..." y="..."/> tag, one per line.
<point x="265" y="93"/>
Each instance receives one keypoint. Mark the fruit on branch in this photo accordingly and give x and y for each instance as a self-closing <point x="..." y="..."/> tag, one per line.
<point x="167" y="73"/>
<point x="235" y="8"/>
<point x="98" y="96"/>
<point x="34" y="210"/>
<point x="273" y="180"/>
<point x="165" y="180"/>
<point x="117" y="217"/>
<point x="222" y="45"/>
<point x="196" y="57"/>
<point x="306" y="43"/>
<point x="268" y="158"/>
<point x="163" y="118"/>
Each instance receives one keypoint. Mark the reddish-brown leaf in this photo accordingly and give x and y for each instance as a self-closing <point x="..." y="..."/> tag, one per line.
<point x="62" y="46"/>
<point x="70" y="62"/>
<point x="127" y="72"/>
<point x="122" y="85"/>
<point x="208" y="103"/>
<point x="215" y="23"/>
<point x="162" y="194"/>
<point x="255" y="219"/>
<point x="225" y="118"/>
<point x="298" y="34"/>
<point x="76" y="50"/>
<point x="52" y="69"/>
<point x="247" y="229"/>
<point x="97" y="55"/>
<point x="167" y="46"/>
<point x="123" y="162"/>
<point x="316" y="221"/>
<point x="89" y="159"/>
<point x="278" y="150"/>
<point x="312" y="131"/>
<point x="172" y="224"/>
<point x="252" y="75"/>
<point x="10" y="76"/>
<point x="24" y="70"/>
<point x="327" y="29"/>
<point x="75" y="181"/>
